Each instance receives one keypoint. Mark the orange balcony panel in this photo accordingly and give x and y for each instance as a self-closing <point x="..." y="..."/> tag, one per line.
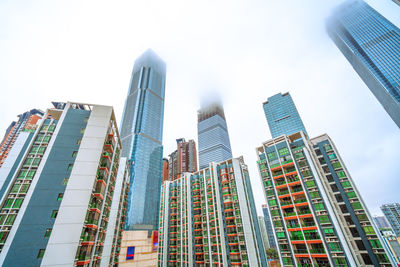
<point x="286" y="195"/>
<point x="233" y="244"/>
<point x="197" y="209"/>
<point x="276" y="168"/>
<point x="287" y="206"/>
<point x="229" y="210"/>
<point x="196" y="223"/>
<point x="288" y="164"/>
<point x="87" y="243"/>
<point x="80" y="263"/>
<point x="298" y="242"/>
<point x="232" y="234"/>
<point x="298" y="193"/>
<point x="199" y="253"/>
<point x="224" y="188"/>
<point x="198" y="237"/>
<point x="294" y="229"/>
<point x="200" y="262"/>
<point x="291" y="173"/>
<point x="310" y="228"/>
<point x="234" y="253"/>
<point x="291" y="217"/>
<point x="196" y="202"/>
<point x="314" y="241"/>
<point x="230" y="218"/>
<point x="230" y="226"/>
<point x="306" y="216"/>
<point x="281" y="186"/>
<point x="319" y="256"/>
<point x="104" y="169"/>
<point x="301" y="255"/>
<point x="198" y="230"/>
<point x="196" y="190"/>
<point x="294" y="183"/>
<point x="226" y="181"/>
<point x="301" y="204"/>
<point x="98" y="195"/>
<point x="236" y="263"/>
<point x="277" y="177"/>
<point x="228" y="201"/>
<point x="102" y="181"/>
<point x="199" y="245"/>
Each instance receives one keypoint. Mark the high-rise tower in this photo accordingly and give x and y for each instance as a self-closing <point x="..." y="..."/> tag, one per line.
<point x="282" y="115"/>
<point x="371" y="44"/>
<point x="213" y="137"/>
<point x="318" y="214"/>
<point x="392" y="214"/>
<point x="141" y="135"/>
<point x="183" y="159"/>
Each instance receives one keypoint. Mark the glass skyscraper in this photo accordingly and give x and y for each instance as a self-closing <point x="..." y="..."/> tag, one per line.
<point x="392" y="214"/>
<point x="371" y="44"/>
<point x="214" y="144"/>
<point x="282" y="115"/>
<point x="141" y="135"/>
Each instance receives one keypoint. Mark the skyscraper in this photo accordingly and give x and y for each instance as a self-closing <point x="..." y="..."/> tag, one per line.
<point x="64" y="202"/>
<point x="183" y="159"/>
<point x="318" y="214"/>
<point x="208" y="218"/>
<point x="392" y="214"/>
<point x="141" y="135"/>
<point x="268" y="226"/>
<point x="381" y="222"/>
<point x="213" y="137"/>
<point x="371" y="44"/>
<point x="26" y="122"/>
<point x="282" y="115"/>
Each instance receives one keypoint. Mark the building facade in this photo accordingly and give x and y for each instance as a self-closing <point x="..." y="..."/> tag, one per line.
<point x="392" y="214"/>
<point x="393" y="242"/>
<point x="182" y="160"/>
<point x="63" y="205"/>
<point x="26" y="123"/>
<point x="268" y="225"/>
<point x="282" y="115"/>
<point x="141" y="136"/>
<point x="381" y="222"/>
<point x="208" y="218"/>
<point x="318" y="215"/>
<point x="165" y="170"/>
<point x="263" y="230"/>
<point x="370" y="43"/>
<point x="213" y="137"/>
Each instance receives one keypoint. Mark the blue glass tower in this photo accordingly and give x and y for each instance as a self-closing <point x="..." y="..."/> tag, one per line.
<point x="141" y="135"/>
<point x="214" y="144"/>
<point x="282" y="115"/>
<point x="268" y="225"/>
<point x="371" y="44"/>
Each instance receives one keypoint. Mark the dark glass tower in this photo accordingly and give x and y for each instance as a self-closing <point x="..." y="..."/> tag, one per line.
<point x="371" y="44"/>
<point x="282" y="115"/>
<point x="141" y="135"/>
<point x="214" y="144"/>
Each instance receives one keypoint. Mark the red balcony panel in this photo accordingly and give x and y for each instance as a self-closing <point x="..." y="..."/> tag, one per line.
<point x="314" y="241"/>
<point x="80" y="263"/>
<point x="291" y="173"/>
<point x="281" y="186"/>
<point x="319" y="256"/>
<point x="277" y="177"/>
<point x="287" y="206"/>
<point x="276" y="168"/>
<point x="301" y="255"/>
<point x="294" y="183"/>
<point x="288" y="164"/>
<point x="291" y="217"/>
<point x="301" y="204"/>
<point x="306" y="216"/>
<point x="283" y="196"/>
<point x="298" y="193"/>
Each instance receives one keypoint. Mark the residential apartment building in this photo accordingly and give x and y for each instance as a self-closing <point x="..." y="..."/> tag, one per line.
<point x="26" y="123"/>
<point x="182" y="160"/>
<point x="213" y="136"/>
<point x="392" y="214"/>
<point x="208" y="218"/>
<point x="370" y="42"/>
<point x="63" y="202"/>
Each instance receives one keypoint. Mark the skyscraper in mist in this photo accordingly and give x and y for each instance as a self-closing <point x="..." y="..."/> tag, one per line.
<point x="141" y="135"/>
<point x="213" y="137"/>
<point x="371" y="44"/>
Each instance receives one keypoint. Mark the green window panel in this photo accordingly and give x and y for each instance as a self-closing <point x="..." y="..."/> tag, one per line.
<point x="2" y="218"/>
<point x="310" y="184"/>
<point x="271" y="155"/>
<point x="328" y="147"/>
<point x="40" y="253"/>
<point x="346" y="184"/>
<point x="351" y="194"/>
<point x="8" y="203"/>
<point x="24" y="188"/>
<point x="41" y="149"/>
<point x="280" y="235"/>
<point x="15" y="188"/>
<point x="54" y="214"/>
<point x="341" y="174"/>
<point x="22" y="173"/>
<point x="314" y="195"/>
<point x="17" y="203"/>
<point x="356" y="205"/>
<point x="335" y="246"/>
<point x="10" y="219"/>
<point x="28" y="161"/>
<point x="39" y="138"/>
<point x="323" y="219"/>
<point x="332" y="156"/>
<point x="306" y="173"/>
<point x="375" y="243"/>
<point x="51" y="128"/>
<point x="70" y="166"/>
<point x="34" y="149"/>
<point x="340" y="261"/>
<point x="287" y="261"/>
<point x="46" y="139"/>
<point x="30" y="175"/>
<point x="275" y="213"/>
<point x="60" y="197"/>
<point x="299" y="155"/>
<point x="319" y="206"/>
<point x="272" y="202"/>
<point x="36" y="162"/>
<point x="48" y="232"/>
<point x="382" y="258"/>
<point x="337" y="165"/>
<point x="283" y="151"/>
<point x="369" y="230"/>
<point x="65" y="181"/>
<point x="329" y="232"/>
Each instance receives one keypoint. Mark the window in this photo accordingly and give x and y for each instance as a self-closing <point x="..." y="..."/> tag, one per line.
<point x="369" y="230"/>
<point x="82" y="130"/>
<point x="280" y="235"/>
<point x="17" y="203"/>
<point x="60" y="197"/>
<point x="15" y="188"/>
<point x="319" y="206"/>
<point x="323" y="219"/>
<point x="86" y="119"/>
<point x="310" y="184"/>
<point x="334" y="246"/>
<point x="70" y="166"/>
<point x="272" y="202"/>
<point x="337" y="165"/>
<point x="130" y="253"/>
<point x="34" y="149"/>
<point x="22" y="174"/>
<point x="30" y="175"/>
<point x="54" y="214"/>
<point x="375" y="243"/>
<point x="40" y="254"/>
<point x="10" y="219"/>
<point x="51" y="128"/>
<point x="329" y="232"/>
<point x="36" y="162"/>
<point x="314" y="195"/>
<point x="24" y="188"/>
<point x="78" y="142"/>
<point x="48" y="232"/>
<point x="332" y="156"/>
<point x="65" y="181"/>
<point x="341" y="174"/>
<point x="74" y="154"/>
<point x="8" y="203"/>
<point x="2" y="218"/>
<point x="283" y="151"/>
<point x="346" y="184"/>
<point x="351" y="194"/>
<point x="46" y="139"/>
<point x="271" y="155"/>
<point x="42" y="149"/>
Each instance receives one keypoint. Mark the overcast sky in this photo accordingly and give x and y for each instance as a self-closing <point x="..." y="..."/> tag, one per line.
<point x="244" y="51"/>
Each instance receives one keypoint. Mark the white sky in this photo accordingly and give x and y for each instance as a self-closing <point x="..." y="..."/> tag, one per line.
<point x="245" y="51"/>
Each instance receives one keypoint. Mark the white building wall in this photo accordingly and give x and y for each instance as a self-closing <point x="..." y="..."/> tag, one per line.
<point x="64" y="240"/>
